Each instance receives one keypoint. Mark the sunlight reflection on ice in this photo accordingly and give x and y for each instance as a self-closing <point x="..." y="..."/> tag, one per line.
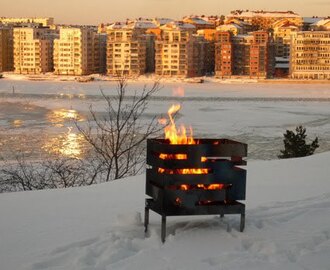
<point x="69" y="144"/>
<point x="58" y="117"/>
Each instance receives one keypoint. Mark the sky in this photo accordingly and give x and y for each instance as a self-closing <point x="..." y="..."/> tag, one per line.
<point x="97" y="11"/>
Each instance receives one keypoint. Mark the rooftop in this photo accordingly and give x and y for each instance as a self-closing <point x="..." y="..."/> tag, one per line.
<point x="197" y="20"/>
<point x="322" y="22"/>
<point x="311" y="20"/>
<point x="133" y="25"/>
<point x="178" y="25"/>
<point x="262" y="13"/>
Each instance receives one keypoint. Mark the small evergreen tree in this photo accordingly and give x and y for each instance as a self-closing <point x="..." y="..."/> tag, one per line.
<point x="295" y="144"/>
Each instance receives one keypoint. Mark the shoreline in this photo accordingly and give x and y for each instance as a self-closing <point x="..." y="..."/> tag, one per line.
<point x="294" y="81"/>
<point x="194" y="80"/>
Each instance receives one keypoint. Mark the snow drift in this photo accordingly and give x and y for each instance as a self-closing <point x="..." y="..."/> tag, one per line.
<point x="99" y="227"/>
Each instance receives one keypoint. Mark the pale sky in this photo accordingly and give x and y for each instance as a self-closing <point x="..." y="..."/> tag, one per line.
<point x="97" y="11"/>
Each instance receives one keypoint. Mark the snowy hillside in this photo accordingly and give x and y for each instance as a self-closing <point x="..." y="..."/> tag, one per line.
<point x="99" y="227"/>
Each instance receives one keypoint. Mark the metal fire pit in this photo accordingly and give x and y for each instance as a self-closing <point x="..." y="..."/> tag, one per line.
<point x="165" y="181"/>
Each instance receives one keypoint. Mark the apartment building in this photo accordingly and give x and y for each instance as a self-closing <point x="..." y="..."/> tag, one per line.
<point x="48" y="21"/>
<point x="310" y="55"/>
<point x="231" y="27"/>
<point x="79" y="51"/>
<point x="209" y="60"/>
<point x="6" y="49"/>
<point x="282" y="31"/>
<point x="198" y="22"/>
<point x="179" y="51"/>
<point x="249" y="55"/>
<point x="264" y="20"/>
<point x="33" y="50"/>
<point x="224" y="60"/>
<point x="161" y="21"/>
<point x="214" y="19"/>
<point x="129" y="49"/>
<point x="245" y="27"/>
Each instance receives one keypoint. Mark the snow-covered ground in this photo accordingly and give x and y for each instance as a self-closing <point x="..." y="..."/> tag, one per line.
<point x="99" y="227"/>
<point x="256" y="113"/>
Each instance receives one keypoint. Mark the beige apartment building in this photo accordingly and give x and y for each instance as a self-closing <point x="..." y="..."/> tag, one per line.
<point x="6" y="49"/>
<point x="33" y="50"/>
<point x="310" y="55"/>
<point x="129" y="49"/>
<point x="79" y="51"/>
<point x="48" y="21"/>
<point x="282" y="32"/>
<point x="179" y="51"/>
<point x="231" y="27"/>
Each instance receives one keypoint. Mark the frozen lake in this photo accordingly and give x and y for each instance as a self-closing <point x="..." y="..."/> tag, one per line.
<point x="37" y="116"/>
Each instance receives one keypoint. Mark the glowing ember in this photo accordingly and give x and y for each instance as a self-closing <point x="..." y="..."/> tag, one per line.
<point x="199" y="186"/>
<point x="203" y="159"/>
<point x="173" y="156"/>
<point x="178" y="201"/>
<point x="183" y="171"/>
<point x="184" y="187"/>
<point x="215" y="186"/>
<point x="209" y="187"/>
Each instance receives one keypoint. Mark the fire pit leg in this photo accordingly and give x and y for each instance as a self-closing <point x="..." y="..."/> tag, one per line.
<point x="146" y="218"/>
<point x="242" y="222"/>
<point x="163" y="233"/>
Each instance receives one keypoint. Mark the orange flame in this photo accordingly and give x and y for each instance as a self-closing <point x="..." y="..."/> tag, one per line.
<point x="175" y="135"/>
<point x="178" y="136"/>
<point x="183" y="171"/>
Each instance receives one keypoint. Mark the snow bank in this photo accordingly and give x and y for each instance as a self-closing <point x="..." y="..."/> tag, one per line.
<point x="99" y="227"/>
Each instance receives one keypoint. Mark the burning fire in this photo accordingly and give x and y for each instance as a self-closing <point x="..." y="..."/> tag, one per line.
<point x="183" y="171"/>
<point x="202" y="186"/>
<point x="178" y="136"/>
<point x="174" y="135"/>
